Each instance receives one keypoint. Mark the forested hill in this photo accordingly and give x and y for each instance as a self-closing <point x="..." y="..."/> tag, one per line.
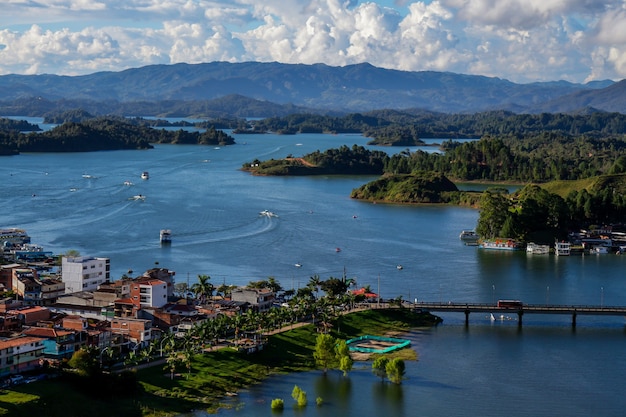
<point x="352" y="88"/>
<point x="103" y="134"/>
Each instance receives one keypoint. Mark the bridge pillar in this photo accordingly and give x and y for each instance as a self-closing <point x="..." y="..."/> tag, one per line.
<point x="520" y="313"/>
<point x="467" y="313"/>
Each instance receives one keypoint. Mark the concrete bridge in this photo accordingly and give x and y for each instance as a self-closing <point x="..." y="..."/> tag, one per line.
<point x="520" y="310"/>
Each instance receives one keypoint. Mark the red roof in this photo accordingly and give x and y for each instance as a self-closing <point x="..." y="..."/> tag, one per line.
<point x="361" y="291"/>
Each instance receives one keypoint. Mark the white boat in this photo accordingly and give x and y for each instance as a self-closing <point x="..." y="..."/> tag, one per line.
<point x="88" y="177"/>
<point x="535" y="249"/>
<point x="501" y="244"/>
<point x="268" y="213"/>
<point x="599" y="250"/>
<point x="138" y="197"/>
<point x="469" y="236"/>
<point x="398" y="267"/>
<point x="128" y="183"/>
<point x="166" y="236"/>
<point x="562" y="248"/>
<point x="298" y="265"/>
<point x="145" y="175"/>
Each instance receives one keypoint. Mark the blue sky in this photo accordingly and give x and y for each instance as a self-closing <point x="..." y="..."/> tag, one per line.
<point x="520" y="40"/>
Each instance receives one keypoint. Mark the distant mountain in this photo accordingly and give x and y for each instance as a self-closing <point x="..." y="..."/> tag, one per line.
<point x="319" y="87"/>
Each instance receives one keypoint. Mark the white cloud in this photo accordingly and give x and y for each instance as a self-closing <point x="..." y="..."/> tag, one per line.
<point x="522" y="40"/>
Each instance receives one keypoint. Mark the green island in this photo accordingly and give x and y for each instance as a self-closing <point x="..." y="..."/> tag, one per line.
<point x="169" y="388"/>
<point x="566" y="182"/>
<point x="104" y="134"/>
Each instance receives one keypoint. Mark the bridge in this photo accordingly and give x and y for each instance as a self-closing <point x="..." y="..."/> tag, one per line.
<point x="520" y="310"/>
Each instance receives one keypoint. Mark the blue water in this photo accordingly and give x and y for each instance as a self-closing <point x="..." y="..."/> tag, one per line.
<point x="212" y="208"/>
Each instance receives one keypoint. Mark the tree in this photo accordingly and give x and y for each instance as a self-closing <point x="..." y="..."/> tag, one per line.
<point x="299" y="396"/>
<point x="324" y="353"/>
<point x="494" y="211"/>
<point x="85" y="361"/>
<point x="395" y="369"/>
<point x="203" y="288"/>
<point x="342" y="351"/>
<point x="379" y="367"/>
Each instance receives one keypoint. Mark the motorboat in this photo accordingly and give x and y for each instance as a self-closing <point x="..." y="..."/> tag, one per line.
<point x="599" y="250"/>
<point x="337" y="249"/>
<point x="166" y="236"/>
<point x="268" y="213"/>
<point x="145" y="175"/>
<point x="298" y="265"/>
<point x="138" y="197"/>
<point x="399" y="267"/>
<point x="535" y="249"/>
<point x="128" y="183"/>
<point x="469" y="236"/>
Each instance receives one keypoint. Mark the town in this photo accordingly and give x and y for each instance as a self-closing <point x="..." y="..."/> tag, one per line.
<point x="51" y="311"/>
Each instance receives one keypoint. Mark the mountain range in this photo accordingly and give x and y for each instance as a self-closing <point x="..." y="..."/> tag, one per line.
<point x="272" y="89"/>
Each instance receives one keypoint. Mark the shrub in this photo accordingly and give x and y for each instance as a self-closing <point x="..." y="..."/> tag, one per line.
<point x="278" y="404"/>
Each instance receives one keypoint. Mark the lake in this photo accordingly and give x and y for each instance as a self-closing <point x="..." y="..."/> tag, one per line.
<point x="212" y="208"/>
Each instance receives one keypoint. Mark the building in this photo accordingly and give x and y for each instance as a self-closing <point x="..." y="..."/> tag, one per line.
<point x="57" y="344"/>
<point x="32" y="314"/>
<point x="19" y="354"/>
<point x="260" y="299"/>
<point x="83" y="273"/>
<point x="136" y="331"/>
<point x="148" y="292"/>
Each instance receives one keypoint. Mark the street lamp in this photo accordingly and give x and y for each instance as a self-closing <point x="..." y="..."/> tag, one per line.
<point x="493" y="294"/>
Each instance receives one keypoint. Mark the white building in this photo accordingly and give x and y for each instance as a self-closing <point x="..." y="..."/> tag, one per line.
<point x="84" y="273"/>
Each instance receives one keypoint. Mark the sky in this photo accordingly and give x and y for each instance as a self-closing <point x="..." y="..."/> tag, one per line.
<point x="520" y="40"/>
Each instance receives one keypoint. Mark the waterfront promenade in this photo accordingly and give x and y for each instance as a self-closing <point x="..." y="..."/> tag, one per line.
<point x="572" y="310"/>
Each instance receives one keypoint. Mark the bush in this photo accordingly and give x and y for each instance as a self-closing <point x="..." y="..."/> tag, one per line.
<point x="278" y="404"/>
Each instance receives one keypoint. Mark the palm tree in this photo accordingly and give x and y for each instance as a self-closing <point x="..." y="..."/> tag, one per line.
<point x="314" y="283"/>
<point x="203" y="288"/>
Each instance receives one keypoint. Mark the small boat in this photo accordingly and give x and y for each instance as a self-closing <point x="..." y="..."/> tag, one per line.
<point x="166" y="236"/>
<point x="492" y="318"/>
<point x="268" y="213"/>
<point x="145" y="175"/>
<point x="399" y="267"/>
<point x="354" y="216"/>
<point x="599" y="250"/>
<point x="138" y="197"/>
<point x="337" y="249"/>
<point x="535" y="249"/>
<point x="298" y="265"/>
<point x="469" y="236"/>
<point x="88" y="177"/>
<point x="128" y="183"/>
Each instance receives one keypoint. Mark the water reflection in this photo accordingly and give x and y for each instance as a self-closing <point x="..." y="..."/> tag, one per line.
<point x="390" y="397"/>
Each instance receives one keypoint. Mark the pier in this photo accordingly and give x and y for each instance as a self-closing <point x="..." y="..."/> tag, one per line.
<point x="572" y="310"/>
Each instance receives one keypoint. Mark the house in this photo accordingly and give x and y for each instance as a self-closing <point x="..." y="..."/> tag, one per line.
<point x="260" y="299"/>
<point x="137" y="331"/>
<point x="81" y="273"/>
<point x="19" y="354"/>
<point x="57" y="344"/>
<point x="31" y="315"/>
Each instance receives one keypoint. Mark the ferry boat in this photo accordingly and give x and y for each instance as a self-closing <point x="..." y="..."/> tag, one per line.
<point x="14" y="236"/>
<point x="469" y="236"/>
<point x="166" y="236"/>
<point x="535" y="249"/>
<point x="562" y="248"/>
<point x="145" y="175"/>
<point x="501" y="244"/>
